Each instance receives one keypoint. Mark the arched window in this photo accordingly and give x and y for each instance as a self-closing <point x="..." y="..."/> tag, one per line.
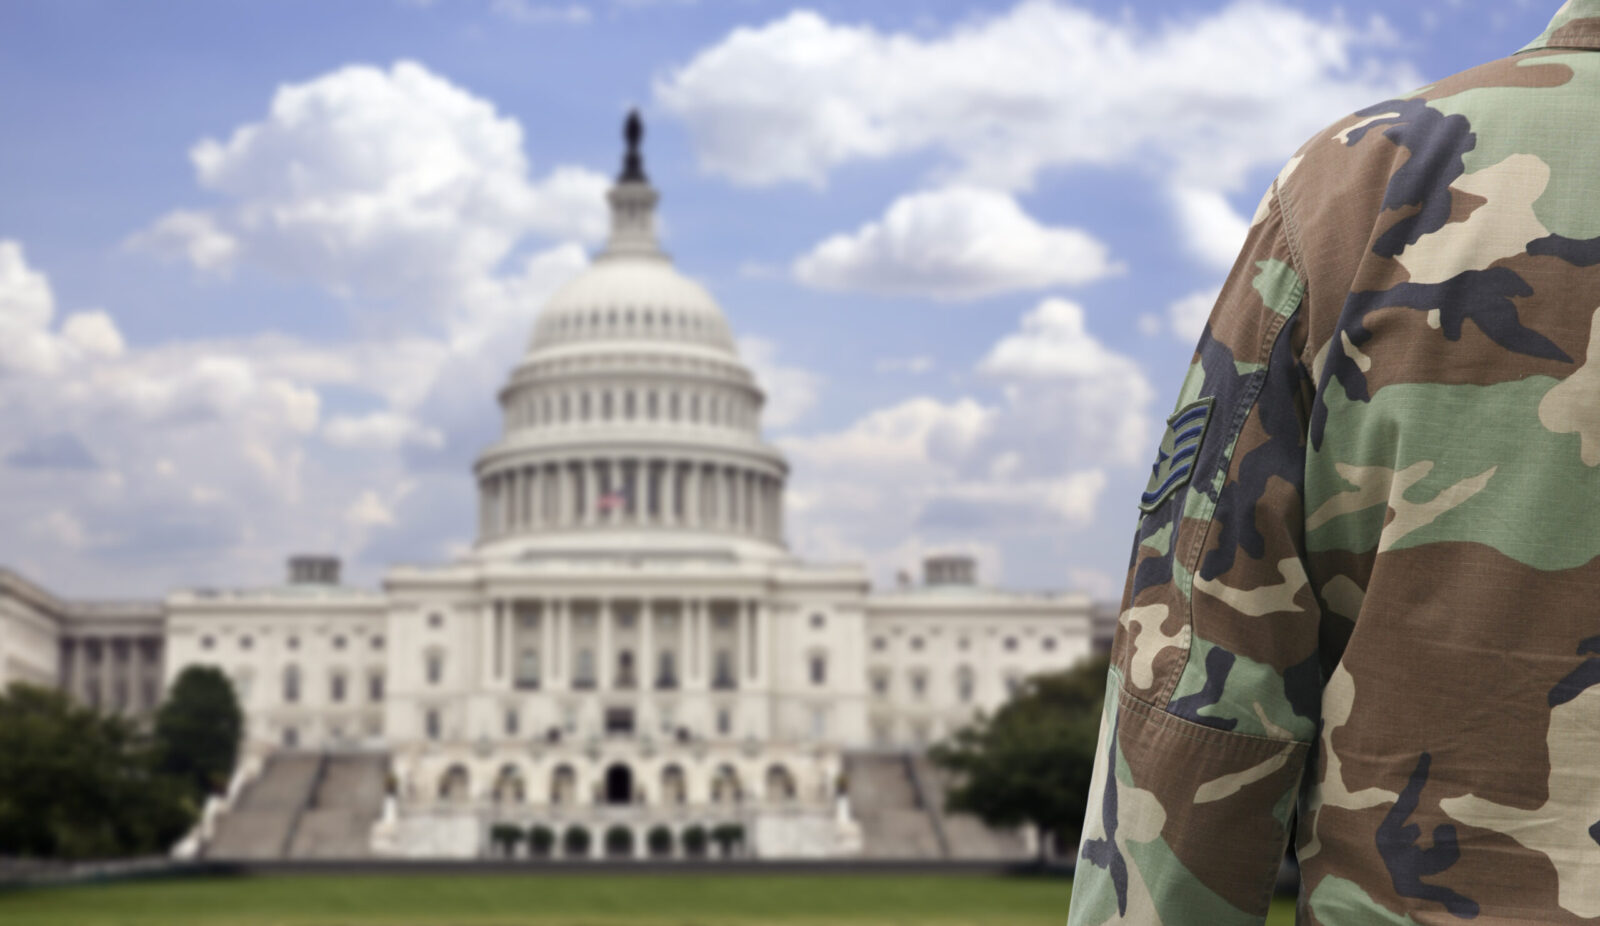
<point x="455" y="785"/>
<point x="563" y="786"/>
<point x="674" y="789"/>
<point x="780" y="784"/>
<point x="508" y="787"/>
<point x="725" y="786"/>
<point x="291" y="684"/>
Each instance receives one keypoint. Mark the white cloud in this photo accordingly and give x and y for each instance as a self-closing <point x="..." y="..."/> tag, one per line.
<point x="1031" y="464"/>
<point x="384" y="430"/>
<point x="391" y="187"/>
<point x="189" y="235"/>
<point x="1199" y="99"/>
<point x="369" y="511"/>
<point x="93" y="333"/>
<point x="791" y="391"/>
<point x="1213" y="232"/>
<point x="1187" y="317"/>
<point x="952" y="244"/>
<point x="917" y="365"/>
<point x="528" y="13"/>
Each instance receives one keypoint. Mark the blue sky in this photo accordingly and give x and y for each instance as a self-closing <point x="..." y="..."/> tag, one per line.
<point x="263" y="265"/>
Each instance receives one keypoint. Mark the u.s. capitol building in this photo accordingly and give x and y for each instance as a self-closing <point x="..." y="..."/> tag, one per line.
<point x="630" y="642"/>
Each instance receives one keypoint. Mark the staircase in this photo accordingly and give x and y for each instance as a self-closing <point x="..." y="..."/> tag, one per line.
<point x="346" y="803"/>
<point x="884" y="802"/>
<point x="304" y="805"/>
<point x="966" y="837"/>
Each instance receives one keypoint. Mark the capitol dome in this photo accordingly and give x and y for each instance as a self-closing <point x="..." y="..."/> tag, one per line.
<point x="631" y="423"/>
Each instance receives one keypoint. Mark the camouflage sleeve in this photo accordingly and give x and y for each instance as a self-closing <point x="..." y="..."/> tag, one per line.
<point x="1215" y="686"/>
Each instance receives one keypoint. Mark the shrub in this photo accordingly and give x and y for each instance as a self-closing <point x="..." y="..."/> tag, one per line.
<point x="728" y="837"/>
<point x="694" y="841"/>
<point x="659" y="840"/>
<point x="619" y="842"/>
<point x="541" y="839"/>
<point x="575" y="842"/>
<point x="505" y="838"/>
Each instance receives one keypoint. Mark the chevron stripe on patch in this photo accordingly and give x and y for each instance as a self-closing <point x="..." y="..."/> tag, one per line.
<point x="1179" y="446"/>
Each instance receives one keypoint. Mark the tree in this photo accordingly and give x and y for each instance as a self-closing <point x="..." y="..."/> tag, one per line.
<point x="78" y="784"/>
<point x="1031" y="762"/>
<point x="659" y="840"/>
<point x="506" y="837"/>
<point x="575" y="842"/>
<point x="619" y="841"/>
<point x="728" y="837"/>
<point x="694" y="841"/>
<point x="541" y="839"/>
<point x="198" y="728"/>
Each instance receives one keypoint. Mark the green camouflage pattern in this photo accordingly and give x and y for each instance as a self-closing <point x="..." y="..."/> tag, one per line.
<point x="1369" y="618"/>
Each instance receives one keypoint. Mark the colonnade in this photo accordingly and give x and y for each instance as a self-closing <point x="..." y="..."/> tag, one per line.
<point x="562" y="630"/>
<point x="631" y="492"/>
<point x="113" y="673"/>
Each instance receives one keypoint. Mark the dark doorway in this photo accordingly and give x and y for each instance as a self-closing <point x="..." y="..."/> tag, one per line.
<point x="619" y="785"/>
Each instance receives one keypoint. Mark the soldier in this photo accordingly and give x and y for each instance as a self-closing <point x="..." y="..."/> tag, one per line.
<point x="1364" y="600"/>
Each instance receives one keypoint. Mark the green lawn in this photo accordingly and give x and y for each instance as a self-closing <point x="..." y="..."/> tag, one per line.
<point x="551" y="899"/>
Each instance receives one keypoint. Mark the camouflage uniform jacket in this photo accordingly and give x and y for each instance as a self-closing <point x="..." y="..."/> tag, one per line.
<point x="1364" y="600"/>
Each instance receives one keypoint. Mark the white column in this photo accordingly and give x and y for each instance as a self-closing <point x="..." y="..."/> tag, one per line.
<point x="497" y="657"/>
<point x="748" y="643"/>
<point x="508" y="502"/>
<point x="641" y="490"/>
<point x="591" y="491"/>
<point x="691" y="488"/>
<point x="763" y="643"/>
<point x="603" y="657"/>
<point x="547" y="644"/>
<point x="536" y="500"/>
<point x="683" y="644"/>
<point x="645" y="660"/>
<point x="562" y="635"/>
<point x="483" y="672"/>
<point x="747" y="507"/>
<point x="669" y="493"/>
<point x="692" y="657"/>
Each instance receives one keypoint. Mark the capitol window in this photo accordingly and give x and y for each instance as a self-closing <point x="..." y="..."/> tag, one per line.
<point x="880" y="644"/>
<point x="291" y="684"/>
<point x="628" y="406"/>
<point x="605" y="406"/>
<point x="583" y="407"/>
<point x="916" y="643"/>
<point x="431" y="723"/>
<point x="1049" y="644"/>
<point x="566" y="407"/>
<point x="965" y="683"/>
<point x="435" y="620"/>
<point x="336" y="688"/>
<point x="672" y="407"/>
<point x="245" y="642"/>
<point x="338" y="642"/>
<point x="377" y="641"/>
<point x="435" y="666"/>
<point x="919" y="685"/>
<point x="724" y="721"/>
<point x="819" y="669"/>
<point x="694" y="408"/>
<point x="511" y="721"/>
<point x="375" y="686"/>
<point x="818" y="621"/>
<point x="963" y="643"/>
<point x="880" y="683"/>
<point x="294" y="642"/>
<point x="1011" y="644"/>
<point x="207" y="642"/>
<point x="650" y="407"/>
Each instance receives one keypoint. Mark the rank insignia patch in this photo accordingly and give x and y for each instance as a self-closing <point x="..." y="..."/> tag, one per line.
<point x="1179" y="445"/>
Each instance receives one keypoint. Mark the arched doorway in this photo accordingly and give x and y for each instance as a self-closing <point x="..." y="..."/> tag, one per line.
<point x="619" y="784"/>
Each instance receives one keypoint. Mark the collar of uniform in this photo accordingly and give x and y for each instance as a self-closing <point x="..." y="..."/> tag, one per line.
<point x="1577" y="25"/>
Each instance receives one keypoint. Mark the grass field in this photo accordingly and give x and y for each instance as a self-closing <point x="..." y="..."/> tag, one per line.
<point x="550" y="899"/>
